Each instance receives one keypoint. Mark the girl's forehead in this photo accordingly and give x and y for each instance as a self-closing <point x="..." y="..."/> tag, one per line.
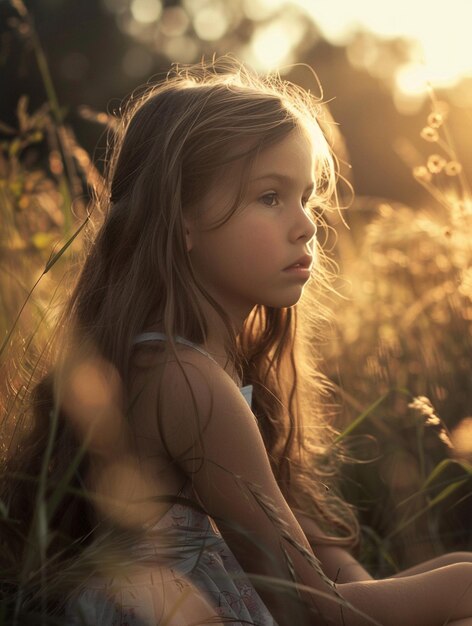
<point x="290" y="159"/>
<point x="293" y="154"/>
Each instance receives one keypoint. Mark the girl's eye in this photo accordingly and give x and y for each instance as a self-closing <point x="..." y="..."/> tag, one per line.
<point x="269" y="199"/>
<point x="272" y="200"/>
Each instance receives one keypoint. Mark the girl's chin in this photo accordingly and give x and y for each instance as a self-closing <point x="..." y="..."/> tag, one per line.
<point x="285" y="303"/>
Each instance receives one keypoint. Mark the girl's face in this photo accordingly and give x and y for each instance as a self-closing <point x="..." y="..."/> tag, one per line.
<point x="242" y="262"/>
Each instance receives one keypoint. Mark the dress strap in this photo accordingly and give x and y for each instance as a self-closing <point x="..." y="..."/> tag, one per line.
<point x="153" y="336"/>
<point x="156" y="336"/>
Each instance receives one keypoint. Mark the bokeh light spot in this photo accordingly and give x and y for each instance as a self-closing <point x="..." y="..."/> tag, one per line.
<point x="210" y="24"/>
<point x="273" y="43"/>
<point x="146" y="11"/>
<point x="261" y="9"/>
<point x="462" y="438"/>
<point x="411" y="79"/>
<point x="362" y="52"/>
<point x="182" y="49"/>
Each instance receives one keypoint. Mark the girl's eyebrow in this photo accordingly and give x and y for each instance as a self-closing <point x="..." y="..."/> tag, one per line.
<point x="284" y="178"/>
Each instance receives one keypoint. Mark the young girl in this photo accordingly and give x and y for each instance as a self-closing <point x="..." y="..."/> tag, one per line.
<point x="186" y="373"/>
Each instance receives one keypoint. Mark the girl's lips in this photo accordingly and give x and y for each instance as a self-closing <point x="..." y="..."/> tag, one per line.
<point x="305" y="261"/>
<point x="300" y="272"/>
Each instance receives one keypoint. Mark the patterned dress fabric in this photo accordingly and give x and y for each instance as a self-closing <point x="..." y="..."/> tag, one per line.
<point x="184" y="574"/>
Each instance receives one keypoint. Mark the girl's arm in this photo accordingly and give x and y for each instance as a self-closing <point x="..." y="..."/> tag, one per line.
<point x="440" y="561"/>
<point x="222" y="450"/>
<point x="435" y="598"/>
<point x="337" y="563"/>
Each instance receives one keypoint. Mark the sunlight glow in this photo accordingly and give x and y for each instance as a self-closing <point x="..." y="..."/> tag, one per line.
<point x="261" y="9"/>
<point x="273" y="43"/>
<point x="412" y="78"/>
<point x="407" y="44"/>
<point x="444" y="47"/>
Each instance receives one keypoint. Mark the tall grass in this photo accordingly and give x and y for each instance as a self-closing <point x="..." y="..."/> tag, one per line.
<point x="402" y="345"/>
<point x="400" y="354"/>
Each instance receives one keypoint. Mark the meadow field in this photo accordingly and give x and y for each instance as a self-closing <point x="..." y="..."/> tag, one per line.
<point x="398" y="349"/>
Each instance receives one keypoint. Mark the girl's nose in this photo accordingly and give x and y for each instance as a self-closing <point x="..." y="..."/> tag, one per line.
<point x="306" y="224"/>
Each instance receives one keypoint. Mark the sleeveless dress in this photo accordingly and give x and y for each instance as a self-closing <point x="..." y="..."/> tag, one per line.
<point x="187" y="574"/>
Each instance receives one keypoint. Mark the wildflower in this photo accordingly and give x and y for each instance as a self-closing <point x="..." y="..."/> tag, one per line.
<point x="453" y="168"/>
<point x="444" y="437"/>
<point x="436" y="163"/>
<point x="432" y="420"/>
<point x="422" y="405"/>
<point x="429" y="134"/>
<point x="422" y="173"/>
<point x="435" y="119"/>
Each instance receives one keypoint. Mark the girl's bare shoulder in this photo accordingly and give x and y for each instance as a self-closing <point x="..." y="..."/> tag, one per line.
<point x="201" y="407"/>
<point x="198" y="375"/>
<point x="178" y="388"/>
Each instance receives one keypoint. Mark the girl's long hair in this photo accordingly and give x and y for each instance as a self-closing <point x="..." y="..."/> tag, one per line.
<point x="172" y="142"/>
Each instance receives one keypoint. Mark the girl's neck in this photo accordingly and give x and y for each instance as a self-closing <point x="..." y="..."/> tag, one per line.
<point x="215" y="343"/>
